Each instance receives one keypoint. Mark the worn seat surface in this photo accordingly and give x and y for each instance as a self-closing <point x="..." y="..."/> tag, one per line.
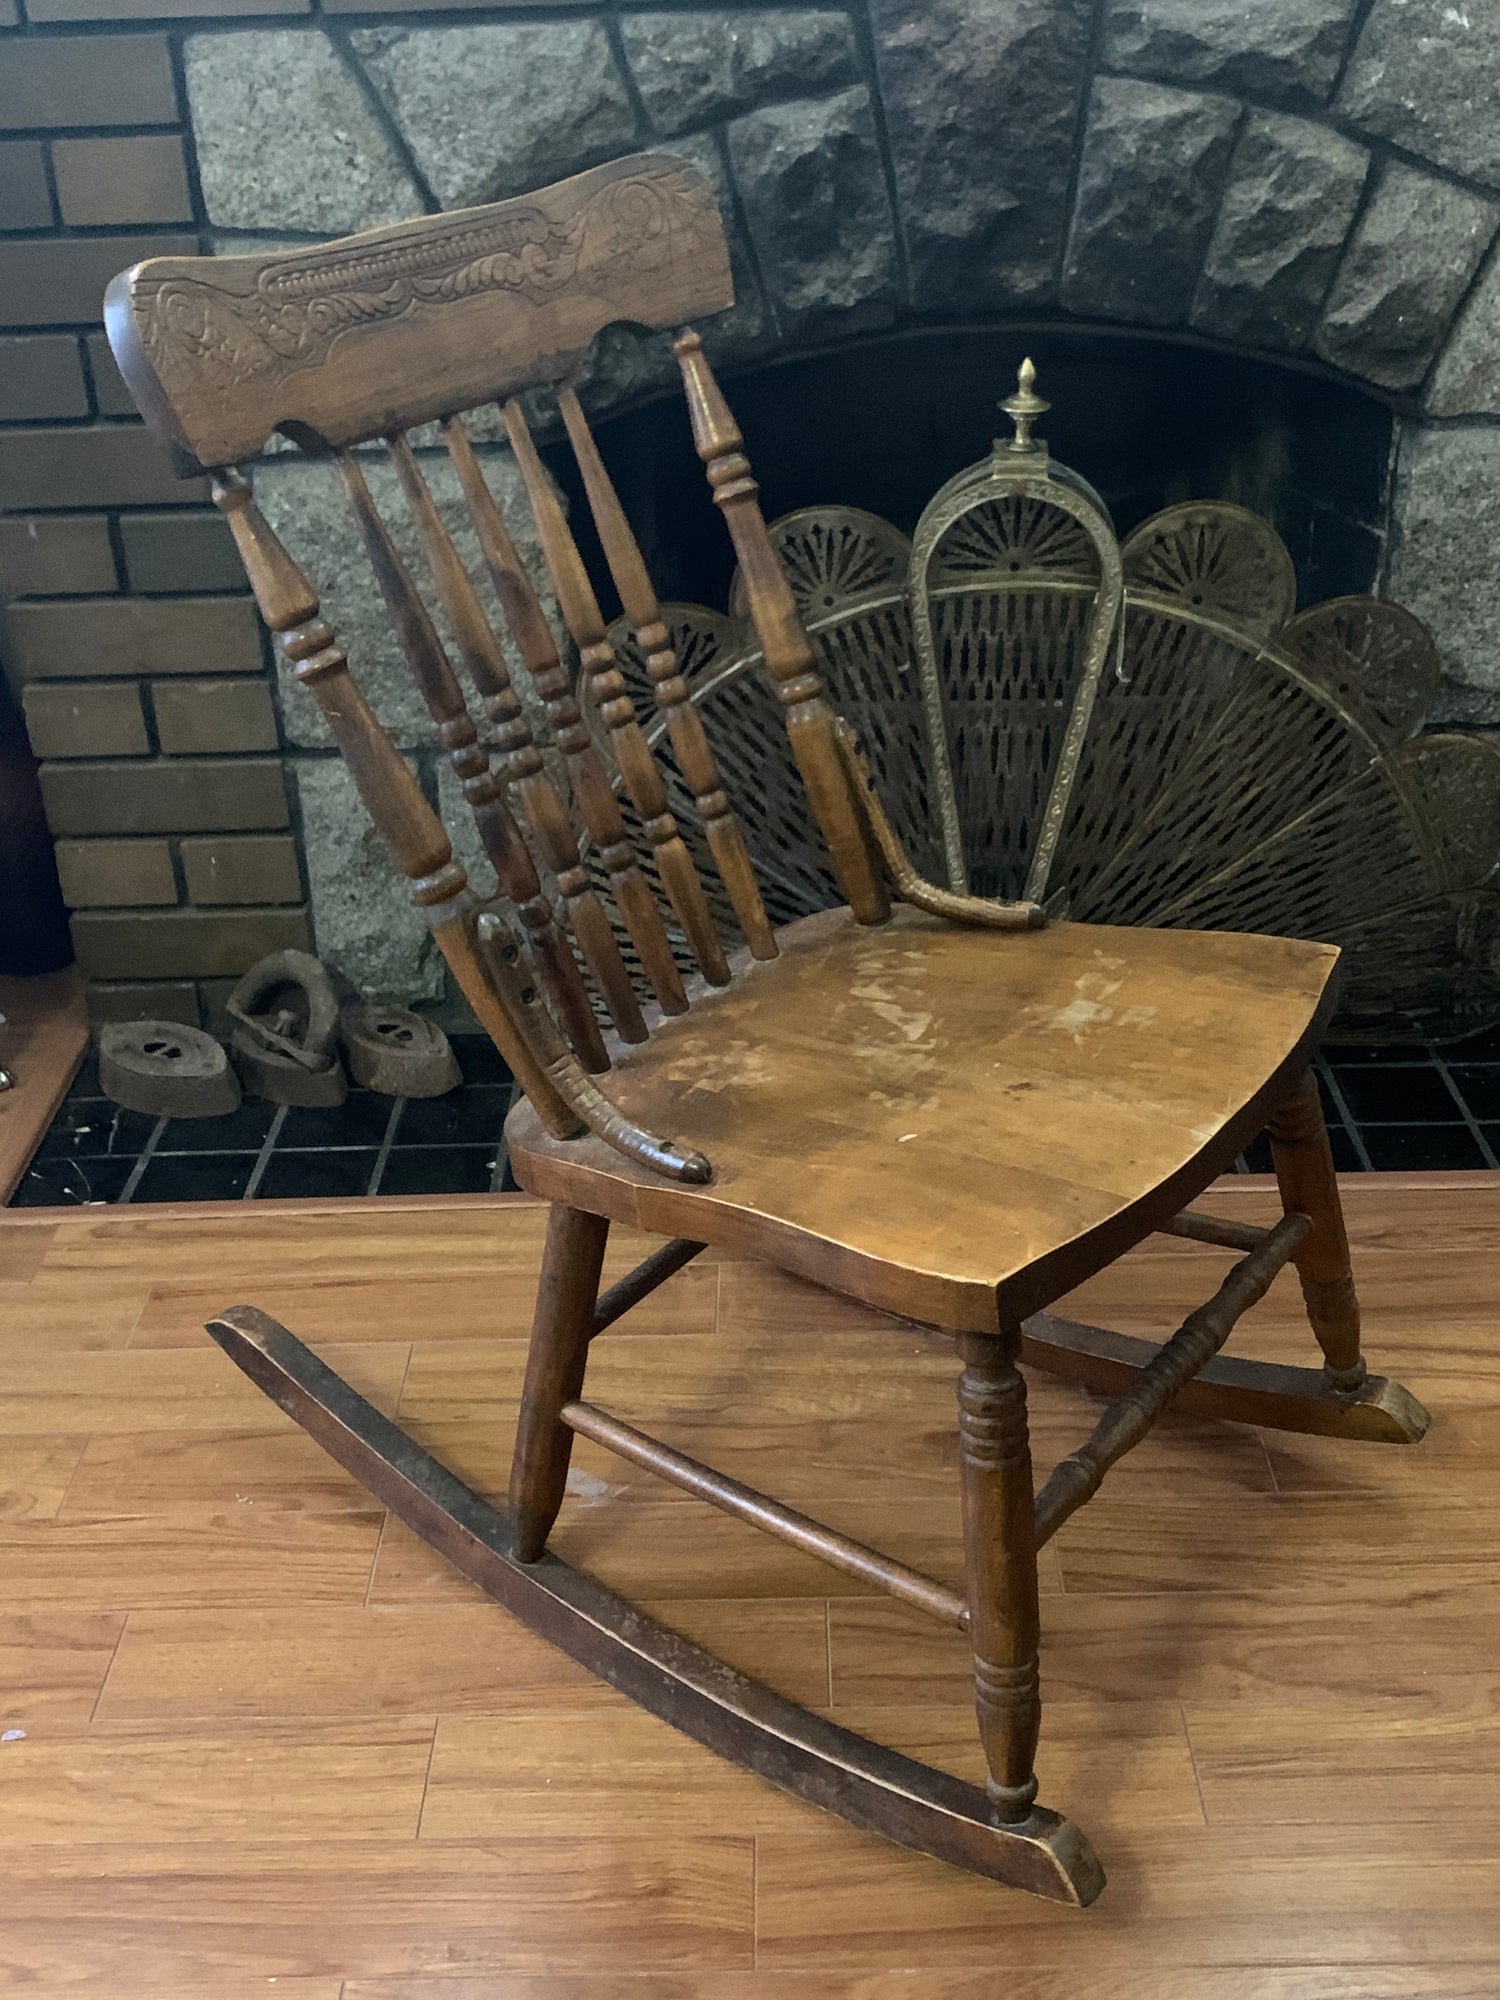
<point x="946" y="1122"/>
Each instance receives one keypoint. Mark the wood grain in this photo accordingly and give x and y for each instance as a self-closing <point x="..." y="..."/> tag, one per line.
<point x="1261" y="1694"/>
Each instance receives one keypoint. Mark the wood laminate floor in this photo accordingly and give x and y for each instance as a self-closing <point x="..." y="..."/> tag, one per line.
<point x="258" y="1741"/>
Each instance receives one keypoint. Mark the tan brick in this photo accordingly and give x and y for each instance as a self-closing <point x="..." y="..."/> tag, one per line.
<point x="41" y="375"/>
<point x="258" y="869"/>
<point x="86" y="719"/>
<point x="131" y="635"/>
<point x="105" y="181"/>
<point x="115" y="874"/>
<point x="111" y="397"/>
<point x="212" y="995"/>
<point x="197" y="717"/>
<point x="172" y="1000"/>
<point x="192" y="943"/>
<point x="25" y="202"/>
<point x="87" y="80"/>
<point x="173" y="795"/>
<point x="179" y="551"/>
<point x="108" y="465"/>
<point x="56" y="555"/>
<point x="51" y="280"/>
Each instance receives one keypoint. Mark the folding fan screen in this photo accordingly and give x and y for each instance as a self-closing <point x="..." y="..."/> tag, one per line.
<point x="1241" y="768"/>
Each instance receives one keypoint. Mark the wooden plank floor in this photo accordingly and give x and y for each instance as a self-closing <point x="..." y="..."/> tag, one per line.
<point x="258" y="1741"/>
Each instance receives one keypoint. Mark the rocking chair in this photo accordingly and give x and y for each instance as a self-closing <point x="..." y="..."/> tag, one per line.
<point x="951" y="1109"/>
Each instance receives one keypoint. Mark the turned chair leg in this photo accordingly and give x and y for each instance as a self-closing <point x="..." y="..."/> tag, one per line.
<point x="1000" y="1556"/>
<point x="560" y="1331"/>
<point x="1305" y="1176"/>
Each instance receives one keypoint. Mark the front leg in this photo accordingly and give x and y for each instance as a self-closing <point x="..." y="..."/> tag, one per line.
<point x="1000" y="1557"/>
<point x="560" y="1334"/>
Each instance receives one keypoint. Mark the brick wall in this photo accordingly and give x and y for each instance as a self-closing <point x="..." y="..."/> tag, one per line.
<point x="139" y="659"/>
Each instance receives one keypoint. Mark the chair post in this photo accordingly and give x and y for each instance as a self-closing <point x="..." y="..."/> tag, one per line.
<point x="1303" y="1160"/>
<point x="784" y="643"/>
<point x="560" y="1332"/>
<point x="1000" y="1554"/>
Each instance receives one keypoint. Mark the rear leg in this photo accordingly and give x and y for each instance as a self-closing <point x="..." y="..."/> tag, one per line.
<point x="1305" y="1176"/>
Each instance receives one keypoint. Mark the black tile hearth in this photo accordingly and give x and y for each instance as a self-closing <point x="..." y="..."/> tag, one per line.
<point x="1404" y="1108"/>
<point x="194" y="1177"/>
<point x="324" y="1173"/>
<point x="439" y="1170"/>
<point x="361" y="1120"/>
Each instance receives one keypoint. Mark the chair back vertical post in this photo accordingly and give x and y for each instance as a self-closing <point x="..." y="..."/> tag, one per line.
<point x="606" y="687"/>
<point x="783" y="639"/>
<point x="689" y="739"/>
<point x="532" y="636"/>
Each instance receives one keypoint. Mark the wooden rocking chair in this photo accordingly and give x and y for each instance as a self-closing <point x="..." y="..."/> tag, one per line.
<point x="950" y="1109"/>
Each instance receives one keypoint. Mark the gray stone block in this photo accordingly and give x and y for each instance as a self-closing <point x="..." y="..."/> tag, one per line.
<point x="464" y="834"/>
<point x="1446" y="518"/>
<point x="981" y="105"/>
<point x="364" y="921"/>
<point x="1153" y="165"/>
<point x="1466" y="381"/>
<point x="500" y="107"/>
<point x="1424" y="74"/>
<point x="1287" y="50"/>
<point x="1407" y="266"/>
<point x="1291" y="195"/>
<point x="813" y="187"/>
<point x="303" y="499"/>
<point x="690" y="68"/>
<point x="286" y="137"/>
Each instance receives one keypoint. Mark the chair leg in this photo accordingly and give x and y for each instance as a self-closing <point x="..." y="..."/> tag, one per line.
<point x="1000" y="1556"/>
<point x="1305" y="1175"/>
<point x="560" y="1331"/>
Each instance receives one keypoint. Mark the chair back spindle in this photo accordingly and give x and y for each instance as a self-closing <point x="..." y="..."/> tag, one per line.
<point x="545" y="809"/>
<point x="783" y="639"/>
<point x="571" y="1081"/>
<point x="483" y="789"/>
<point x="695" y="757"/>
<point x="606" y="687"/>
<point x="392" y="797"/>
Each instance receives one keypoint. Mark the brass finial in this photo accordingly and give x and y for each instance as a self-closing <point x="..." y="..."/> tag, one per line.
<point x="1024" y="407"/>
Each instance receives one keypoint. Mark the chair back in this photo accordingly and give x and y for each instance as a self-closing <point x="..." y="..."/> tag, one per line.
<point x="362" y="341"/>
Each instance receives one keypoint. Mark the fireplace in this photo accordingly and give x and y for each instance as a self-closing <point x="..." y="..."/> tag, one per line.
<point x="1249" y="247"/>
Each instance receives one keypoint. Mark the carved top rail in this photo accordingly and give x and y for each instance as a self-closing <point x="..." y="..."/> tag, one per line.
<point x="345" y="341"/>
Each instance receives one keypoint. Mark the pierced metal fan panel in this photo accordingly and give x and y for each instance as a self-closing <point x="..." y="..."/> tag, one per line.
<point x="1011" y="661"/>
<point x="1256" y="762"/>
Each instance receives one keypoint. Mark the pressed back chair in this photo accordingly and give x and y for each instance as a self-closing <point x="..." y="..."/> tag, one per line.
<point x="949" y="1108"/>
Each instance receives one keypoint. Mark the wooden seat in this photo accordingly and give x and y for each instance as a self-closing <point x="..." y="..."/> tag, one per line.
<point x="1089" y="1079"/>
<point x="950" y="1107"/>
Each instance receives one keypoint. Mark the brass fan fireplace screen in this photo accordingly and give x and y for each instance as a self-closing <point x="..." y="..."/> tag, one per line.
<point x="1228" y="766"/>
<point x="950" y="1107"/>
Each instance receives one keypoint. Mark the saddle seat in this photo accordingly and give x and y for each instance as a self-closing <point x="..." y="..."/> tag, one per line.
<point x="946" y="1122"/>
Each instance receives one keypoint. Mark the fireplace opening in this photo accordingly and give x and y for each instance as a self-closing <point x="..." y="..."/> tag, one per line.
<point x="880" y="424"/>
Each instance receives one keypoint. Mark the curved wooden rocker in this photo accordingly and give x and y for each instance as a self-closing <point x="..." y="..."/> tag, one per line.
<point x="951" y="1109"/>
